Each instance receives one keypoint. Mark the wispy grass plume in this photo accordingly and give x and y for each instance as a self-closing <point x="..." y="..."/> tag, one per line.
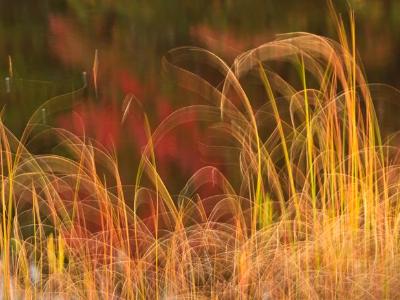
<point x="310" y="208"/>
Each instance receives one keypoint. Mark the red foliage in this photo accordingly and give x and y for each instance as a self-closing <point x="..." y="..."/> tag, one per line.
<point x="66" y="42"/>
<point x="129" y="84"/>
<point x="101" y="122"/>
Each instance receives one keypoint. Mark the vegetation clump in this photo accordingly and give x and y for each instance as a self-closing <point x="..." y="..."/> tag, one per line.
<point x="308" y="209"/>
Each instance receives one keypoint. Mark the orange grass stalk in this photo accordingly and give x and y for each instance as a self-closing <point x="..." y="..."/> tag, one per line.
<point x="310" y="209"/>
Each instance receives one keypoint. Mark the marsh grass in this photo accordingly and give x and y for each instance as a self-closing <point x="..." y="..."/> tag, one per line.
<point x="312" y="210"/>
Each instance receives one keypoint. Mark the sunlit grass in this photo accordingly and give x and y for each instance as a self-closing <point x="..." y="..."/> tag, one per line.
<point x="315" y="213"/>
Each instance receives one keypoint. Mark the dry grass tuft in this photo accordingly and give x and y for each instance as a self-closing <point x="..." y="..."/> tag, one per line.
<point x="312" y="210"/>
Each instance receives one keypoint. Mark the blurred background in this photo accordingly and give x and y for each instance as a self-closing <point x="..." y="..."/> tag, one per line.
<point x="46" y="45"/>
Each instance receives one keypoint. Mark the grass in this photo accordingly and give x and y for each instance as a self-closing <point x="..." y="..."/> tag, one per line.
<point x="312" y="210"/>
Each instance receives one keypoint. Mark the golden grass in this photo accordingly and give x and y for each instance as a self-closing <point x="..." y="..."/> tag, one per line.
<point x="315" y="213"/>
